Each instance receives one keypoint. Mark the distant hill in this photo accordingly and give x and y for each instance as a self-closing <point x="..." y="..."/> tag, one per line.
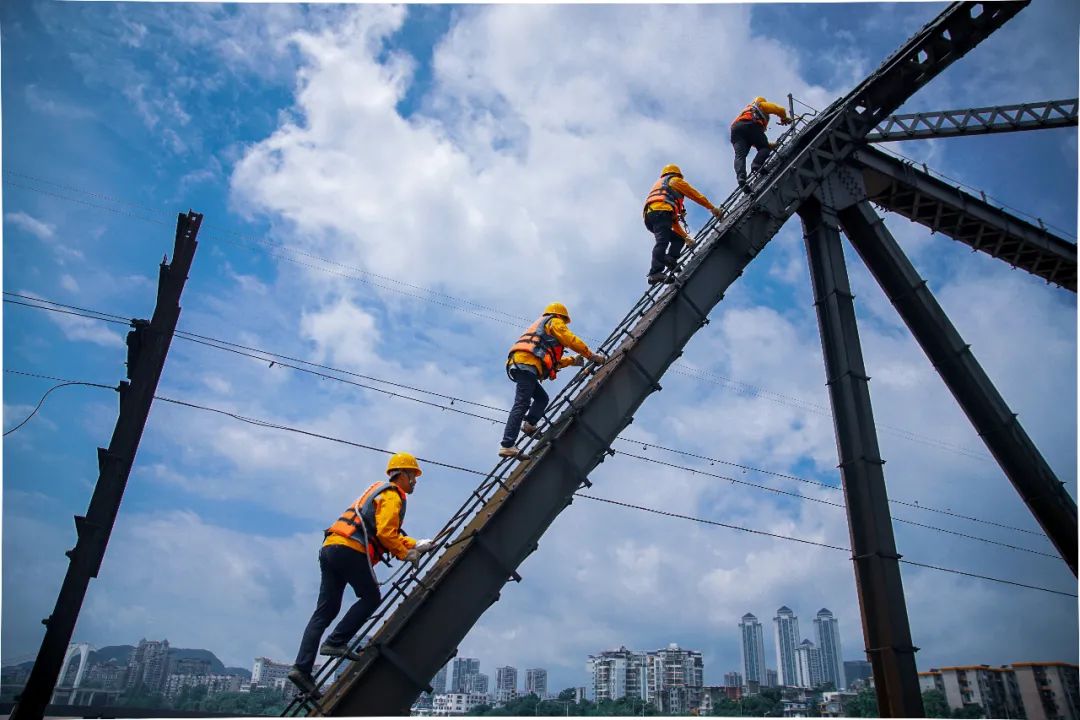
<point x="122" y="653"/>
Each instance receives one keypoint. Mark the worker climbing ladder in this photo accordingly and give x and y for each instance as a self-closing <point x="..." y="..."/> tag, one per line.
<point x="427" y="610"/>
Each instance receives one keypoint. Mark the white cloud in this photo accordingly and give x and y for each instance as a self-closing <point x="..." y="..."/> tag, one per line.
<point x="342" y="333"/>
<point x="81" y="329"/>
<point x="50" y="104"/>
<point x="69" y="283"/>
<point x="42" y="230"/>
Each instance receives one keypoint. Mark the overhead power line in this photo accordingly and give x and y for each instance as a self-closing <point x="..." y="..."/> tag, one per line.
<point x="819" y="544"/>
<point x="513" y="320"/>
<point x="330" y="438"/>
<point x="283" y="360"/>
<point x="47" y="393"/>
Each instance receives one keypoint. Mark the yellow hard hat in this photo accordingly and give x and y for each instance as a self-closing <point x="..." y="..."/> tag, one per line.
<point x="403" y="461"/>
<point x="760" y="99"/>
<point x="557" y="309"/>
<point x="671" y="170"/>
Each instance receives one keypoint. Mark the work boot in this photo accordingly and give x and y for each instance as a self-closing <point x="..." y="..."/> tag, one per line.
<point x="655" y="278"/>
<point x="338" y="651"/>
<point x="305" y="682"/>
<point x="528" y="428"/>
<point x="745" y="186"/>
<point x="509" y="452"/>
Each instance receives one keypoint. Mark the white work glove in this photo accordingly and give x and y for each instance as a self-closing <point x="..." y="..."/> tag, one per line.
<point x="785" y="121"/>
<point x="423" y="546"/>
<point x="577" y="361"/>
<point x="599" y="358"/>
<point x="690" y="242"/>
<point x="718" y="212"/>
<point x="413" y="554"/>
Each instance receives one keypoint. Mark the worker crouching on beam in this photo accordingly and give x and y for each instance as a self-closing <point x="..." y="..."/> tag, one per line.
<point x="366" y="532"/>
<point x="538" y="354"/>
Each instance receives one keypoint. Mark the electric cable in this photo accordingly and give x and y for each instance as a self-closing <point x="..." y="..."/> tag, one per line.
<point x="806" y="405"/>
<point x="66" y="383"/>
<point x="277" y="426"/>
<point x="275" y="358"/>
<point x="516" y="320"/>
<point x="819" y="544"/>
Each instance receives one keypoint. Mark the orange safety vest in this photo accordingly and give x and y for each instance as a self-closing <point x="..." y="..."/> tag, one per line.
<point x="754" y="113"/>
<point x="358" y="522"/>
<point x="663" y="192"/>
<point x="538" y="341"/>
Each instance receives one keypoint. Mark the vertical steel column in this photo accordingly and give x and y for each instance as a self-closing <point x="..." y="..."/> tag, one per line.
<point x="877" y="568"/>
<point x="998" y="426"/>
<point x="148" y="344"/>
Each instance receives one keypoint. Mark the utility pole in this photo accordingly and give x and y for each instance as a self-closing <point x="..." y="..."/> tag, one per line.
<point x="148" y="344"/>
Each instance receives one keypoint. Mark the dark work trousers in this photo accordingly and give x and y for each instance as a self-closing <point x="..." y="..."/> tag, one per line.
<point x="528" y="391"/>
<point x="746" y="134"/>
<point x="340" y="566"/>
<point x="665" y="253"/>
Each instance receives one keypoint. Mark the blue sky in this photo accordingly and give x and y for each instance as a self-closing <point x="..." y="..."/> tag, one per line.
<point x="457" y="150"/>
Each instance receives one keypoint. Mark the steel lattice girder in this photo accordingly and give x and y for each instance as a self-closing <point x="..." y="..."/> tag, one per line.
<point x="423" y="632"/>
<point x="977" y="121"/>
<point x="918" y="196"/>
<point x="987" y="410"/>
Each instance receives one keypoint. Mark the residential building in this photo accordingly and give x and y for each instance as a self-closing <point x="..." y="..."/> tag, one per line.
<point x="733" y="679"/>
<point x="1048" y="690"/>
<point x="438" y="683"/>
<point x="828" y="642"/>
<point x="993" y="690"/>
<point x="505" y="684"/>
<point x="109" y="675"/>
<point x="457" y="703"/>
<point x="191" y="666"/>
<point x="536" y="682"/>
<point x="807" y="665"/>
<point x="265" y="672"/>
<point x="214" y="684"/>
<point x="834" y="703"/>
<point x="771" y="679"/>
<point x="502" y="697"/>
<point x="619" y="673"/>
<point x="476" y="684"/>
<point x="506" y="678"/>
<point x="786" y="627"/>
<point x="752" y="644"/>
<point x="580" y="694"/>
<point x="148" y="664"/>
<point x="675" y="679"/>
<point x="463" y="668"/>
<point x="857" y="670"/>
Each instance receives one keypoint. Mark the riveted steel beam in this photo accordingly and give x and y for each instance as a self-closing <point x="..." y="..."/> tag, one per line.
<point x="976" y="121"/>
<point x="907" y="190"/>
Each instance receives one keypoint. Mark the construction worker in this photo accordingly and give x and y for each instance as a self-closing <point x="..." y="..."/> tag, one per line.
<point x="748" y="130"/>
<point x="538" y="354"/>
<point x="663" y="214"/>
<point x="365" y="533"/>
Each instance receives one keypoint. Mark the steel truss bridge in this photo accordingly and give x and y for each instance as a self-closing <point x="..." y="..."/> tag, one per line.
<point x="825" y="171"/>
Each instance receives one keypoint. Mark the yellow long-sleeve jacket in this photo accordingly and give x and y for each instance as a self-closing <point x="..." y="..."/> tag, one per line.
<point x="766" y="107"/>
<point x="677" y="183"/>
<point x="566" y="338"/>
<point x="686" y="189"/>
<point x="387" y="528"/>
